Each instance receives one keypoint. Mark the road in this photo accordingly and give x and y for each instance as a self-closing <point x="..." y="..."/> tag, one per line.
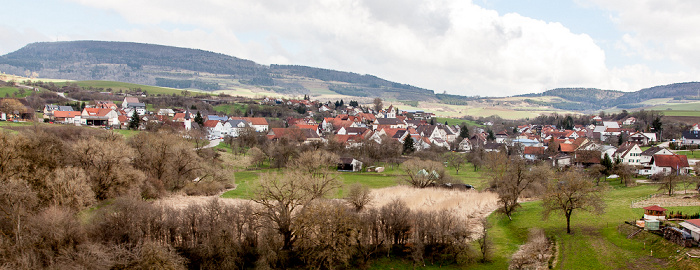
<point x="213" y="143"/>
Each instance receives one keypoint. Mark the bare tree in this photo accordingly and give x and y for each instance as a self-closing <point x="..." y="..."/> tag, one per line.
<point x="456" y="160"/>
<point x="423" y="173"/>
<point x="359" y="196"/>
<point x="512" y="177"/>
<point x="484" y="241"/>
<point x="572" y="191"/>
<point x="669" y="182"/>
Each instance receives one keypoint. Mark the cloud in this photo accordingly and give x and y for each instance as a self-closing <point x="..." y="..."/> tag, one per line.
<point x="444" y="45"/>
<point x="13" y="39"/>
<point x="658" y="29"/>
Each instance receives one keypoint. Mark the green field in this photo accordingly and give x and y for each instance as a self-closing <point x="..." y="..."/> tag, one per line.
<point x="670" y="107"/>
<point x="692" y="155"/>
<point x="229" y="108"/>
<point x="453" y="121"/>
<point x="8" y="91"/>
<point x="681" y="112"/>
<point x="116" y="86"/>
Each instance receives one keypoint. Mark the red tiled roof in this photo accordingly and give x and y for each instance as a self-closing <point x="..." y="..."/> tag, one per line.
<point x="672" y="161"/>
<point x="533" y="150"/>
<point x="567" y="148"/>
<point x="65" y="114"/>
<point x="655" y="208"/>
<point x="210" y="123"/>
<point x="695" y="222"/>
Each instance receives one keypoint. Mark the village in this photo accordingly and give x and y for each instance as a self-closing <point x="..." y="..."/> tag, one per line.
<point x="612" y="146"/>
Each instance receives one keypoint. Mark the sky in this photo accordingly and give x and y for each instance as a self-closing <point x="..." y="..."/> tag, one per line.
<point x="463" y="47"/>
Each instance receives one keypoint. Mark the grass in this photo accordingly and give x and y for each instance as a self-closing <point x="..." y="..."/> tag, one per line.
<point x="128" y="133"/>
<point x="595" y="242"/>
<point x="229" y="108"/>
<point x="692" y="155"/>
<point x="682" y="112"/>
<point x="116" y="86"/>
<point x="453" y="121"/>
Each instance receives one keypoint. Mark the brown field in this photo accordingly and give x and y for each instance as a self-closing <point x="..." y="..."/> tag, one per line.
<point x="683" y="119"/>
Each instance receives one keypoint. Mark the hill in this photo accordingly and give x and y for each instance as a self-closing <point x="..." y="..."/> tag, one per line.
<point x="184" y="68"/>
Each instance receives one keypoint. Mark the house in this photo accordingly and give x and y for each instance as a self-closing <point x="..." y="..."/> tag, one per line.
<point x="347" y="164"/>
<point x="692" y="226"/>
<point x="561" y="160"/>
<point x="465" y="145"/>
<point x="390" y="122"/>
<point x="128" y="100"/>
<point x="495" y="147"/>
<point x="49" y="109"/>
<point x="67" y="117"/>
<point x="99" y="117"/>
<point x="215" y="128"/>
<point x="654" y="212"/>
<point x="140" y="108"/>
<point x="533" y="152"/>
<point x="640" y="138"/>
<point x="106" y="105"/>
<point x="629" y="121"/>
<point x="166" y="112"/>
<point x="294" y="134"/>
<point x="629" y="153"/>
<point x="691" y="137"/>
<point x="233" y="127"/>
<point x="217" y="117"/>
<point x="667" y="164"/>
<point x="258" y="123"/>
<point x="646" y="158"/>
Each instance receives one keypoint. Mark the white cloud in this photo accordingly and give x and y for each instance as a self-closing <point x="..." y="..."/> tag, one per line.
<point x="451" y="45"/>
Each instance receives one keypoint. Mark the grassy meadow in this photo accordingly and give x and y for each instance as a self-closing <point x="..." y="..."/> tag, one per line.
<point x="116" y="86"/>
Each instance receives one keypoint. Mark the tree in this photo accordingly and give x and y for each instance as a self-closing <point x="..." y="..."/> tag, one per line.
<point x="359" y="196"/>
<point x="670" y="181"/>
<point x="607" y="163"/>
<point x="423" y="173"/>
<point x="199" y="119"/>
<point x="464" y="131"/>
<point x="455" y="160"/>
<point x="571" y="191"/>
<point x="491" y="136"/>
<point x="135" y="121"/>
<point x="511" y="177"/>
<point x="484" y="241"/>
<point x="408" y="146"/>
<point x="281" y="195"/>
<point x="624" y="172"/>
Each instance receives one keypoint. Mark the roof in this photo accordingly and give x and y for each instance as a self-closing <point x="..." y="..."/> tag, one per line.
<point x="97" y="111"/>
<point x="235" y="123"/>
<point x="655" y="208"/>
<point x="625" y="148"/>
<point x="66" y="114"/>
<point x="256" y="121"/>
<point x="652" y="150"/>
<point x="533" y="150"/>
<point x="672" y="161"/>
<point x="389" y="121"/>
<point x="346" y="160"/>
<point x="136" y="105"/>
<point x="65" y="108"/>
<point x="292" y="133"/>
<point x="211" y="123"/>
<point x="567" y="148"/>
<point x="695" y="222"/>
<point x="691" y="135"/>
<point x="131" y="100"/>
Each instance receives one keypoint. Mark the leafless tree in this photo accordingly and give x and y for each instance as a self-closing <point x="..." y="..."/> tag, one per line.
<point x="572" y="190"/>
<point x="359" y="196"/>
<point x="512" y="177"/>
<point x="423" y="173"/>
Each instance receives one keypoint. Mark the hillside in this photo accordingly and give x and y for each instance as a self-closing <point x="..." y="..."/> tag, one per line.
<point x="184" y="68"/>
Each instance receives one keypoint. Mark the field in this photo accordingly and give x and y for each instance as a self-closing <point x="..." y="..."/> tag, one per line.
<point x="691" y="155"/>
<point x="597" y="242"/>
<point x="116" y="86"/>
<point x="682" y="112"/>
<point x="229" y="108"/>
<point x="453" y="121"/>
<point x="690" y="106"/>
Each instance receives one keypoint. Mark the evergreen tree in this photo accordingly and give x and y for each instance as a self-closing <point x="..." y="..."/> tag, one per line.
<point x="491" y="136"/>
<point x="135" y="121"/>
<point x="408" y="146"/>
<point x="199" y="119"/>
<point x="446" y="124"/>
<point x="341" y="102"/>
<point x="607" y="163"/>
<point x="432" y="121"/>
<point x="464" y="131"/>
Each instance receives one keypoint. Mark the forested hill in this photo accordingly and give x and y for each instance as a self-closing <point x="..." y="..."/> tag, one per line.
<point x="56" y="55"/>
<point x="187" y="68"/>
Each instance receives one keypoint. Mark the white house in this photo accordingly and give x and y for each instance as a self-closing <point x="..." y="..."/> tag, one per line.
<point x="215" y="128"/>
<point x="668" y="164"/>
<point x="129" y="100"/>
<point x="233" y="127"/>
<point x="691" y="137"/>
<point x="629" y="153"/>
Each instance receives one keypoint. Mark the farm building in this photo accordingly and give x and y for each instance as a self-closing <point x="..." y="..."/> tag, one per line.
<point x="349" y="165"/>
<point x="692" y="226"/>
